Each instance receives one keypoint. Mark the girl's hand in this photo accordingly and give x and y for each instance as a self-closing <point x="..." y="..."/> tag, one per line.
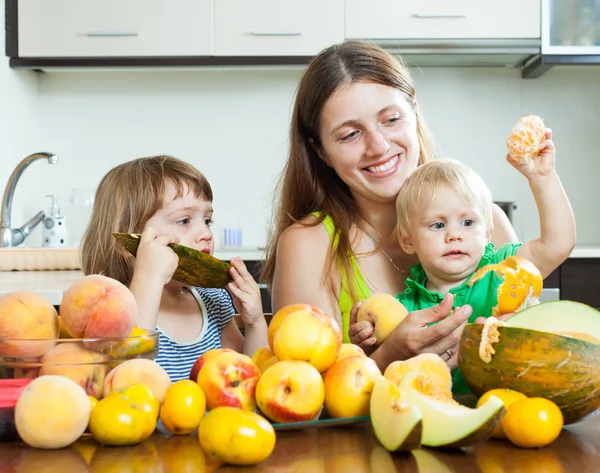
<point x="542" y="165"/>
<point x="154" y="258"/>
<point x="413" y="336"/>
<point x="361" y="333"/>
<point x="245" y="293"/>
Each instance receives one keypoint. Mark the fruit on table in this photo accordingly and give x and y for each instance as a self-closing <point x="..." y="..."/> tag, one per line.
<point x="236" y="436"/>
<point x="521" y="280"/>
<point x="532" y="422"/>
<point x="52" y="412"/>
<point x="199" y="363"/>
<point x="397" y="424"/>
<point x="290" y="391"/>
<point x="86" y="367"/>
<point x="263" y="355"/>
<point x="141" y="394"/>
<point x="537" y="363"/>
<point x="525" y="140"/>
<point x="445" y="422"/>
<point x="308" y="335"/>
<point x="138" y="370"/>
<point x="138" y="342"/>
<point x="508" y="397"/>
<point x="118" y="420"/>
<point x="429" y="364"/>
<point x="572" y="319"/>
<point x="26" y="315"/>
<point x="384" y="311"/>
<point x="229" y="379"/>
<point x="98" y="306"/>
<point x="282" y="314"/>
<point x="194" y="268"/>
<point x="183" y="408"/>
<point x="349" y="349"/>
<point x="348" y="386"/>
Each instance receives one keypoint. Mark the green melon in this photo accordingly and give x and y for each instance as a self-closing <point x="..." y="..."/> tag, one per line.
<point x="195" y="268"/>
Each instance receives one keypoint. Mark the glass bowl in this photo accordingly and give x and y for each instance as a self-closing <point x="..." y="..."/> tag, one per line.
<point x="87" y="361"/>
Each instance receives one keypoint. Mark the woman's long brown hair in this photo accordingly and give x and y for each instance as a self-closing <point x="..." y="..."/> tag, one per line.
<point x="125" y="200"/>
<point x="307" y="184"/>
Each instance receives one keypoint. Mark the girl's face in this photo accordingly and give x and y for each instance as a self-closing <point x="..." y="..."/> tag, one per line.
<point x="369" y="137"/>
<point x="187" y="217"/>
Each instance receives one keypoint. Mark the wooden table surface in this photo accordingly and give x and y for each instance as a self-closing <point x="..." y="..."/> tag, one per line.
<point x="334" y="449"/>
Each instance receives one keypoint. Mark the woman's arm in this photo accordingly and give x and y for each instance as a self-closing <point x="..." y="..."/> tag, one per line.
<point x="300" y="268"/>
<point x="503" y="231"/>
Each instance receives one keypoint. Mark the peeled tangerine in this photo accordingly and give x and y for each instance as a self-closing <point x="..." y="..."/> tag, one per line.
<point x="526" y="138"/>
<point x="236" y="436"/>
<point x="52" y="412"/>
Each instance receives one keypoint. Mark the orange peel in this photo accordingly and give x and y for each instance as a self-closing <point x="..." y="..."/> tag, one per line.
<point x="526" y="138"/>
<point x="522" y="279"/>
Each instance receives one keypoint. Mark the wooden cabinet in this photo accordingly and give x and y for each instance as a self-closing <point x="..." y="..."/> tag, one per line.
<point x="113" y="28"/>
<point x="441" y="19"/>
<point x="277" y="27"/>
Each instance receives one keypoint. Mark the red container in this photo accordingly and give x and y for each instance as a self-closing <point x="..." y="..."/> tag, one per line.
<point x="10" y="390"/>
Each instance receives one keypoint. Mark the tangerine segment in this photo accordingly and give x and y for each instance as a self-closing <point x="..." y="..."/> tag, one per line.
<point x="521" y="279"/>
<point x="526" y="138"/>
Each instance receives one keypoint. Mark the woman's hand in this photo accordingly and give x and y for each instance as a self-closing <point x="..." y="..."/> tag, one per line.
<point x="413" y="336"/>
<point x="154" y="257"/>
<point x="245" y="293"/>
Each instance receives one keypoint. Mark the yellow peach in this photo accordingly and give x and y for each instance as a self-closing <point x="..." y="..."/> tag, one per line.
<point x="349" y="349"/>
<point x="384" y="311"/>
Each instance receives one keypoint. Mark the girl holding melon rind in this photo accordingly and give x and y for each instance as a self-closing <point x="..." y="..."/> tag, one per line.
<point x="356" y="134"/>
<point x="170" y="201"/>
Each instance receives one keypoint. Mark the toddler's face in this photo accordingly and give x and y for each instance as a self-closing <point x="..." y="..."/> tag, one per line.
<point x="187" y="217"/>
<point x="449" y="236"/>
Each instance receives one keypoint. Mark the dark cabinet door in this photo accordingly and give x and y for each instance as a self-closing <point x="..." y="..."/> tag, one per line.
<point x="579" y="281"/>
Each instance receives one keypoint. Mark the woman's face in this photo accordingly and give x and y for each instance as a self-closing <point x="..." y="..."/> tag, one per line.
<point x="369" y="137"/>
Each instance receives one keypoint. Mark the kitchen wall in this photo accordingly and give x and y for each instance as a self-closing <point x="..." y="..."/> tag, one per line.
<point x="232" y="124"/>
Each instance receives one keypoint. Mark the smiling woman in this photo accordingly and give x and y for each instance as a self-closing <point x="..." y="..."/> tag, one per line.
<point x="357" y="133"/>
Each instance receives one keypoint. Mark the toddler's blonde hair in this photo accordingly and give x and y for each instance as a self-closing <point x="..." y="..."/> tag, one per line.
<point x="125" y="200"/>
<point x="422" y="184"/>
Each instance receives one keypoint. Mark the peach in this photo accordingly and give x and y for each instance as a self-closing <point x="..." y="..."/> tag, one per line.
<point x="86" y="367"/>
<point x="264" y="357"/>
<point x="308" y="335"/>
<point x="28" y="316"/>
<point x="384" y="311"/>
<point x="290" y="391"/>
<point x="348" y="386"/>
<point x="229" y="379"/>
<point x="138" y="370"/>
<point x="199" y="363"/>
<point x="97" y="306"/>
<point x="429" y="364"/>
<point x="282" y="314"/>
<point x="349" y="349"/>
<point x="52" y="412"/>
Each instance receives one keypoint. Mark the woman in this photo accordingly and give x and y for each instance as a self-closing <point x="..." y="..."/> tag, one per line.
<point x="356" y="134"/>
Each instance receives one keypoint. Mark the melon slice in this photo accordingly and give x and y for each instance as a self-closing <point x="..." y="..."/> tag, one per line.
<point x="569" y="318"/>
<point x="397" y="424"/>
<point x="445" y="422"/>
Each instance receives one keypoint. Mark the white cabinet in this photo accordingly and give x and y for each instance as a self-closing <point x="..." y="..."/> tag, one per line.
<point x="109" y="28"/>
<point x="277" y="27"/>
<point x="435" y="19"/>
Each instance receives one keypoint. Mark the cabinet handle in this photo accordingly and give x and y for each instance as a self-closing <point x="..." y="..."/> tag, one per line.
<point x="275" y="33"/>
<point x="439" y="15"/>
<point x="111" y="33"/>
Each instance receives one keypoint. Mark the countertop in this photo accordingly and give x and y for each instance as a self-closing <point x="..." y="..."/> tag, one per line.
<point x="333" y="449"/>
<point x="52" y="284"/>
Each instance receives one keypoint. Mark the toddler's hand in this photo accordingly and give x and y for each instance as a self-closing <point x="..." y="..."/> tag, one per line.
<point x="154" y="258"/>
<point x="245" y="293"/>
<point x="361" y="333"/>
<point x="542" y="165"/>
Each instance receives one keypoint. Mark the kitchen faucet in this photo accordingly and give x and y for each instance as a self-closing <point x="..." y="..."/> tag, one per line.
<point x="16" y="236"/>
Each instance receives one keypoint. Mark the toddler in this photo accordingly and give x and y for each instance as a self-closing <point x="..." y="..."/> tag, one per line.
<point x="170" y="201"/>
<point x="444" y="213"/>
